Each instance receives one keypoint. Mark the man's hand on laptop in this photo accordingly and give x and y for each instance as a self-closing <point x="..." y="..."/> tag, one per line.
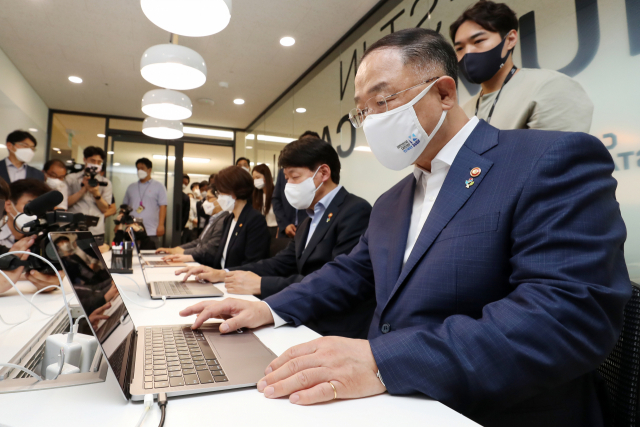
<point x="174" y="251"/>
<point x="178" y="258"/>
<point x="236" y="312"/>
<point x="202" y="272"/>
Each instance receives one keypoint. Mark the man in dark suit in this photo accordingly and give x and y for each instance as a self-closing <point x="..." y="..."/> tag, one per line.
<point x="21" y="146"/>
<point x="497" y="265"/>
<point x="288" y="217"/>
<point x="336" y="221"/>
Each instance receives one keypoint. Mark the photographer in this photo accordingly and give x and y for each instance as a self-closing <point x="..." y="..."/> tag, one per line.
<point x="124" y="221"/>
<point x="20" y="193"/>
<point x="89" y="192"/>
<point x="148" y="199"/>
<point x="55" y="171"/>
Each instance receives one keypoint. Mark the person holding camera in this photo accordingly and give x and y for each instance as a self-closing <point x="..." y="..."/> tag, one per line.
<point x="148" y="199"/>
<point x="89" y="192"/>
<point x="16" y="196"/>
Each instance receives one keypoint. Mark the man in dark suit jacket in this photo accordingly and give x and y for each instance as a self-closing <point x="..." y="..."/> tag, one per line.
<point x="336" y="221"/>
<point x="509" y="295"/>
<point x="21" y="146"/>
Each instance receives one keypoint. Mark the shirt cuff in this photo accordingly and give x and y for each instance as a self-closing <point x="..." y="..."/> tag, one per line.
<point x="277" y="320"/>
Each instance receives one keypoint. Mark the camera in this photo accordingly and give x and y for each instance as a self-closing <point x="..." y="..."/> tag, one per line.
<point x="126" y="219"/>
<point x="92" y="171"/>
<point x="39" y="219"/>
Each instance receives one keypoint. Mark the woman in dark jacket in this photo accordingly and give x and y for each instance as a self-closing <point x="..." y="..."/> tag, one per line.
<point x="245" y="236"/>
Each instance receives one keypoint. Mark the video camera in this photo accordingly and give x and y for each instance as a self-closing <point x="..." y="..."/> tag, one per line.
<point x="126" y="219"/>
<point x="92" y="171"/>
<point x="39" y="219"/>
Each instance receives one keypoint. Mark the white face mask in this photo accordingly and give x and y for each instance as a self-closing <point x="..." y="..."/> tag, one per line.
<point x="246" y="168"/>
<point x="226" y="202"/>
<point x="396" y="137"/>
<point x="301" y="195"/>
<point x="196" y="192"/>
<point x="184" y="187"/>
<point x="95" y="168"/>
<point x="258" y="183"/>
<point x="21" y="219"/>
<point x="67" y="247"/>
<point x="208" y="207"/>
<point x="53" y="182"/>
<point x="24" y="154"/>
<point x="142" y="174"/>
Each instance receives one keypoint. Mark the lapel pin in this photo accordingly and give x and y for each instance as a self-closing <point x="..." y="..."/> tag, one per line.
<point x="329" y="217"/>
<point x="475" y="172"/>
<point x="469" y="182"/>
<point x="240" y="226"/>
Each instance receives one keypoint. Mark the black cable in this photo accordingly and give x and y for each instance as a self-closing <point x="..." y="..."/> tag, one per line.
<point x="162" y="403"/>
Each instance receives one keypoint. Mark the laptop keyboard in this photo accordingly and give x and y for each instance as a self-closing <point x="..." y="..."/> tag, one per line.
<point x="116" y="359"/>
<point x="177" y="357"/>
<point x="171" y="288"/>
<point x="157" y="263"/>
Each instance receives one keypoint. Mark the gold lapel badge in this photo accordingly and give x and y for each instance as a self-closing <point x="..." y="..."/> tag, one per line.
<point x="475" y="172"/>
<point x="329" y="217"/>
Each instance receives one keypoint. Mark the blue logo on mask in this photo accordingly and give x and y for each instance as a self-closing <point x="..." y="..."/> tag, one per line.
<point x="414" y="140"/>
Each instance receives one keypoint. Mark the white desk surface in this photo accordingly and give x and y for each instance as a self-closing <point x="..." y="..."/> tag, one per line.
<point x="103" y="404"/>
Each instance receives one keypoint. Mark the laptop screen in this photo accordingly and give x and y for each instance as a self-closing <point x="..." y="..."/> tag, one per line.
<point x="97" y="294"/>
<point x="135" y="248"/>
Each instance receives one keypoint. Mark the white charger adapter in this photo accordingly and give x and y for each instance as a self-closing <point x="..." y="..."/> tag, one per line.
<point x="89" y="347"/>
<point x="53" y="343"/>
<point x="52" y="370"/>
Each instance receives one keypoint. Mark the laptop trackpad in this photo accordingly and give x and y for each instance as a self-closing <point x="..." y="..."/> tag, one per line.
<point x="238" y="346"/>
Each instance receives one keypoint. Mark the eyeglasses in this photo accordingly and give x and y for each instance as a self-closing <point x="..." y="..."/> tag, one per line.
<point x="25" y="145"/>
<point x="376" y="105"/>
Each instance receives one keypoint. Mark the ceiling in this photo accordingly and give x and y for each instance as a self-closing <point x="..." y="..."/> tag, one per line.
<point x="102" y="42"/>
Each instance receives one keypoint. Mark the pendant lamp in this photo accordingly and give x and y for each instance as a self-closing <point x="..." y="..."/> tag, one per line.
<point x="166" y="104"/>
<point x="192" y="18"/>
<point x="162" y="129"/>
<point x="173" y="66"/>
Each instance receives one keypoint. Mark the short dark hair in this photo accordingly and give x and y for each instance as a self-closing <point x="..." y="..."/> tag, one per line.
<point x="309" y="133"/>
<point x="311" y="153"/>
<point x="145" y="162"/>
<point x="52" y="162"/>
<point x="186" y="176"/>
<point x="5" y="192"/>
<point x="31" y="186"/>
<point x="241" y="159"/>
<point x="204" y="183"/>
<point x="20" y="135"/>
<point x="494" y="17"/>
<point x="421" y="48"/>
<point x="235" y="180"/>
<point x="92" y="151"/>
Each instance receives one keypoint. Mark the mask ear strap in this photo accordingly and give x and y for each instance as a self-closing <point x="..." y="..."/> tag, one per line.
<point x="435" y="129"/>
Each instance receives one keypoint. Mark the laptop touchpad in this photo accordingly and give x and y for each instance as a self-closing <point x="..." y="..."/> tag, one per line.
<point x="238" y="346"/>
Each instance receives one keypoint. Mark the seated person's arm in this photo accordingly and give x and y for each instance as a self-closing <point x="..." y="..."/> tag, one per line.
<point x="21" y="245"/>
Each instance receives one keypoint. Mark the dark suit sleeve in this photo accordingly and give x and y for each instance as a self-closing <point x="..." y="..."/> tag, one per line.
<point x="206" y="253"/>
<point x="279" y="208"/>
<point x="570" y="285"/>
<point x="258" y="239"/>
<point x="337" y="287"/>
<point x="277" y="272"/>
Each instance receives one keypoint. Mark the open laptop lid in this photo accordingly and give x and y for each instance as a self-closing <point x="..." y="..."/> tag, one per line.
<point x="135" y="249"/>
<point x="91" y="282"/>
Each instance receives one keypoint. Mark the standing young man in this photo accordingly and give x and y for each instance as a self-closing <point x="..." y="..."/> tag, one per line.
<point x="21" y="146"/>
<point x="89" y="197"/>
<point x="484" y="38"/>
<point x="148" y="199"/>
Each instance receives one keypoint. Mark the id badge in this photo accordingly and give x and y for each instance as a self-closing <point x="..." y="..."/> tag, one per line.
<point x="140" y="209"/>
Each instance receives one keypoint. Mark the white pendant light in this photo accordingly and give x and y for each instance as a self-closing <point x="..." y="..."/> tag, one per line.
<point x="162" y="129"/>
<point x="166" y="104"/>
<point x="173" y="67"/>
<point x="193" y="18"/>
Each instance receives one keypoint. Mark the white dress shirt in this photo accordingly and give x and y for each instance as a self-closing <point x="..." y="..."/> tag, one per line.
<point x="226" y="245"/>
<point x="428" y="184"/>
<point x="6" y="236"/>
<point x="14" y="172"/>
<point x="318" y="210"/>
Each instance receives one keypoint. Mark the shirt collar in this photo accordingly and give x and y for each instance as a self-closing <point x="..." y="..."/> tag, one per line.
<point x="448" y="153"/>
<point x="324" y="202"/>
<point x="11" y="165"/>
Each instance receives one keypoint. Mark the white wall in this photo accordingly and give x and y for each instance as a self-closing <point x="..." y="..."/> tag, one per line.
<point x="21" y="108"/>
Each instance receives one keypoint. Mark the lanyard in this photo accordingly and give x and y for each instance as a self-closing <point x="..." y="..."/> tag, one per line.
<point x="495" y="101"/>
<point x="142" y="194"/>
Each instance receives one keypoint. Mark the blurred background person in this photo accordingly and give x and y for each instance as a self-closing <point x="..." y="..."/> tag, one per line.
<point x="203" y="218"/>
<point x="55" y="172"/>
<point x="22" y="147"/>
<point x="262" y="195"/>
<point x="185" y="183"/>
<point x="484" y="38"/>
<point x="91" y="201"/>
<point x="244" y="163"/>
<point x="148" y="199"/>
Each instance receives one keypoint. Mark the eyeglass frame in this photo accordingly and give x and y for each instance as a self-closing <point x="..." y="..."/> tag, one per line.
<point x="359" y="112"/>
<point x="22" y="144"/>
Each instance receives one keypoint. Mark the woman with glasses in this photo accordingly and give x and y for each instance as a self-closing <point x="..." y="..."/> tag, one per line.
<point x="22" y="147"/>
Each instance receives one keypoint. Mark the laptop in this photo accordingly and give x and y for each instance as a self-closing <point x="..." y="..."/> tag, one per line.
<point x="176" y="288"/>
<point x="171" y="359"/>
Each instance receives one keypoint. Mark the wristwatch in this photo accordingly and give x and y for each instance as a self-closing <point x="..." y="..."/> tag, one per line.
<point x="98" y="197"/>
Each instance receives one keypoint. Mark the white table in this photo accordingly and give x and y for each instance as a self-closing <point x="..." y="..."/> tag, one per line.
<point x="103" y="404"/>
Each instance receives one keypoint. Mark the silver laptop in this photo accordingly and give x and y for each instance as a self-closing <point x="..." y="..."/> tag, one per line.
<point x="171" y="359"/>
<point x="175" y="288"/>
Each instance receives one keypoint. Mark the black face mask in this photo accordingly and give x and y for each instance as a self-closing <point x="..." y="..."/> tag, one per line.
<point x="480" y="67"/>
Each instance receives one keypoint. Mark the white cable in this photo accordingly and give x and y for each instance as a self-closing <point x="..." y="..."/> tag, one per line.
<point x="64" y="295"/>
<point x="164" y="298"/>
<point x="148" y="402"/>
<point x="22" y="368"/>
<point x="75" y="325"/>
<point x="60" y="363"/>
<point x="130" y="279"/>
